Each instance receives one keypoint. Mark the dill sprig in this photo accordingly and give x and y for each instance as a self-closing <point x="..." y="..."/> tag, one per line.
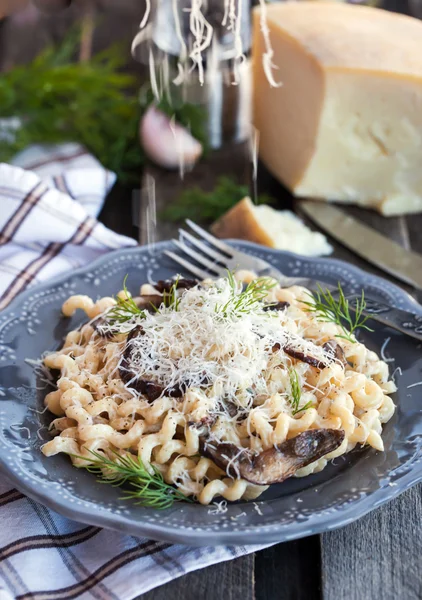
<point x="148" y="489"/>
<point x="296" y="393"/>
<point x="170" y="298"/>
<point x="125" y="309"/>
<point x="244" y="302"/>
<point x="329" y="309"/>
<point x="57" y="100"/>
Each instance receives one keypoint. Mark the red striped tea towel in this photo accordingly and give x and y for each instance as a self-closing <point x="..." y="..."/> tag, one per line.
<point x="48" y="226"/>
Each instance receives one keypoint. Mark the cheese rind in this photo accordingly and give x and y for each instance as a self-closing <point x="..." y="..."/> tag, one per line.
<point x="346" y="124"/>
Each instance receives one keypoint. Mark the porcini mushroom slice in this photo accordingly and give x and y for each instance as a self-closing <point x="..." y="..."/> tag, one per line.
<point x="277" y="306"/>
<point x="335" y="352"/>
<point x="277" y="463"/>
<point x="181" y="284"/>
<point x="125" y="372"/>
<point x="303" y="357"/>
<point x="103" y="328"/>
<point x="280" y="462"/>
<point x="220" y="453"/>
<point x="150" y="389"/>
<point x="148" y="302"/>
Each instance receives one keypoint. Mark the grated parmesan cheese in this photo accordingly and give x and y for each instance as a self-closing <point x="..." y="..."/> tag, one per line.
<point x="239" y="516"/>
<point x="414" y="384"/>
<point x="220" y="508"/>
<point x="382" y="352"/>
<point x="198" y="343"/>
<point x="398" y="371"/>
<point x="18" y="427"/>
<point x="258" y="510"/>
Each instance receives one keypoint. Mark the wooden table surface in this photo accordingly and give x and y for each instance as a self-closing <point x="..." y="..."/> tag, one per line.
<point x="375" y="558"/>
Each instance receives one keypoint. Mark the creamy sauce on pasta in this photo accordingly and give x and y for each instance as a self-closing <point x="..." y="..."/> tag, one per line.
<point x="234" y="371"/>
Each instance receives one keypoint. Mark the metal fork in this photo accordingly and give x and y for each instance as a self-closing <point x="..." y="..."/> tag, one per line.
<point x="216" y="257"/>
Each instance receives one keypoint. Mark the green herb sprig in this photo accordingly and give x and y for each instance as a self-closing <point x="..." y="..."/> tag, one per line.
<point x="93" y="103"/>
<point x="296" y="393"/>
<point x="198" y="205"/>
<point x="170" y="298"/>
<point x="326" y="308"/>
<point x="125" y="309"/>
<point x="244" y="302"/>
<point x="148" y="489"/>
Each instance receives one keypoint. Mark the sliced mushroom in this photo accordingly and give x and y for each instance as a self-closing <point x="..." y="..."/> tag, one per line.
<point x="176" y="391"/>
<point x="277" y="463"/>
<point x="335" y="352"/>
<point x="98" y="325"/>
<point x="231" y="408"/>
<point x="126" y="374"/>
<point x="148" y="302"/>
<point x="151" y="389"/>
<point x="332" y="349"/>
<point x="181" y="284"/>
<point x="278" y="306"/>
<point x="306" y="358"/>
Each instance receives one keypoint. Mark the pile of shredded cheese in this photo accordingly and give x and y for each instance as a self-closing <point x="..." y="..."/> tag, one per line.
<point x="200" y="342"/>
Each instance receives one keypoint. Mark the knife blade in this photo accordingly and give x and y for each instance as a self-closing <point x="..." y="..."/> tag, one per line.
<point x="366" y="241"/>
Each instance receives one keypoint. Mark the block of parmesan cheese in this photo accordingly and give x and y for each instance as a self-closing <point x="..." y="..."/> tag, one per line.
<point x="280" y="229"/>
<point x="346" y="123"/>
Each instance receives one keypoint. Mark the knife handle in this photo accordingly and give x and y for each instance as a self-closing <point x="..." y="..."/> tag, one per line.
<point x="406" y="322"/>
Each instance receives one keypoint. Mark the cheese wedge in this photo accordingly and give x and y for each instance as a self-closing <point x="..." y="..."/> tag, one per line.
<point x="280" y="229"/>
<point x="346" y="123"/>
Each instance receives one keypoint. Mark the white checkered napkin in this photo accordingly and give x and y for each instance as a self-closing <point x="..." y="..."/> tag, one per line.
<point x="44" y="556"/>
<point x="47" y="223"/>
<point x="47" y="227"/>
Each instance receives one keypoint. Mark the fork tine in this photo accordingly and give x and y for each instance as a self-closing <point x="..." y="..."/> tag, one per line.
<point x="205" y="262"/>
<point x="203" y="247"/>
<point x="210" y="238"/>
<point x="187" y="265"/>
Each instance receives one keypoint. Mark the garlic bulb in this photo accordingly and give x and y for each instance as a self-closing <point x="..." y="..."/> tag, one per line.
<point x="166" y="142"/>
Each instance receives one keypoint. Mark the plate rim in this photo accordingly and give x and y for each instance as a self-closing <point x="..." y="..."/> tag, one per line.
<point x="316" y="523"/>
<point x="61" y="278"/>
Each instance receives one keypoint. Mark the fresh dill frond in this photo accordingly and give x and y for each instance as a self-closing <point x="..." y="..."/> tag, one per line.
<point x="296" y="393"/>
<point x="327" y="309"/>
<point x="232" y="281"/>
<point x="56" y="99"/>
<point x="125" y="309"/>
<point x="170" y="298"/>
<point x="147" y="489"/>
<point x="244" y="302"/>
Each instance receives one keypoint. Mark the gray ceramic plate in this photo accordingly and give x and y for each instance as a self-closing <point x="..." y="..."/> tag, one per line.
<point x="341" y="493"/>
